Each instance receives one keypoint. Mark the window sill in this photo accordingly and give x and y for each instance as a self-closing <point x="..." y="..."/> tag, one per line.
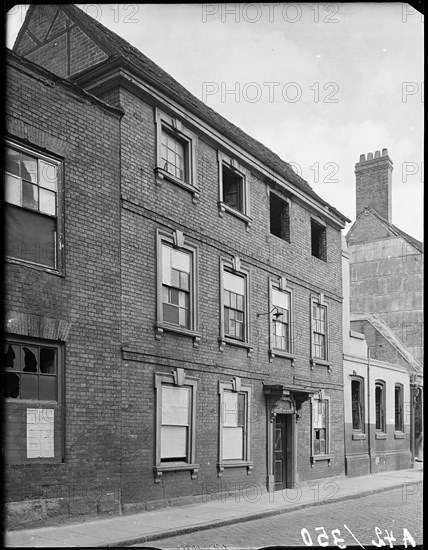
<point x="318" y="258"/>
<point x="380" y="436"/>
<point x="175" y="467"/>
<point x="399" y="435"/>
<point x="359" y="436"/>
<point x="162" y="175"/>
<point x="39" y="267"/>
<point x="161" y="327"/>
<point x="222" y="208"/>
<point x="234" y="464"/>
<point x="278" y="353"/>
<point x="319" y="458"/>
<point x="321" y="363"/>
<point x="230" y="342"/>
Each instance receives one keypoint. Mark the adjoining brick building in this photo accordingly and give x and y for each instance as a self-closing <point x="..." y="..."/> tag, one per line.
<point x="383" y="373"/>
<point x="173" y="291"/>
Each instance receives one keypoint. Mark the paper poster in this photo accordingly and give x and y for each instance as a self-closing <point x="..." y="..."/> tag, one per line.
<point x="40" y="433"/>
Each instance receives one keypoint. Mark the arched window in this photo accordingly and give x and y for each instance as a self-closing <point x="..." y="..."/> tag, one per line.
<point x="398" y="403"/>
<point x="380" y="405"/>
<point x="357" y="400"/>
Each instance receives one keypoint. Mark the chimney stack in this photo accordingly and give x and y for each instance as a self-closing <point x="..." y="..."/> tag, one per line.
<point x="374" y="179"/>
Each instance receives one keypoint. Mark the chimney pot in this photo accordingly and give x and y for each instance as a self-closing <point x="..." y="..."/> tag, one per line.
<point x="362" y="158"/>
<point x="384" y="152"/>
<point x="377" y="154"/>
<point x="369" y="156"/>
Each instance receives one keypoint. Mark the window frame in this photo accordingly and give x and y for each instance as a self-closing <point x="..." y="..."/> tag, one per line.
<point x="320" y="301"/>
<point x="177" y="379"/>
<point x="315" y="400"/>
<point x="380" y="384"/>
<point x="56" y="405"/>
<point x="177" y="240"/>
<point x="286" y="200"/>
<point x="235" y="268"/>
<point x="360" y="381"/>
<point x="281" y="284"/>
<point x="175" y="128"/>
<point x="319" y="225"/>
<point x="233" y="165"/>
<point x="49" y="158"/>
<point x="235" y="386"/>
<point x="400" y="428"/>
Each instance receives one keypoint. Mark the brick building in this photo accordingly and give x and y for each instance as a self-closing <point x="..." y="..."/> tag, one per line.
<point x="174" y="314"/>
<point x="386" y="315"/>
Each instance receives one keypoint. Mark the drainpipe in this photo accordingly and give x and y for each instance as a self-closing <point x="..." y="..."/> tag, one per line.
<point x="368" y="410"/>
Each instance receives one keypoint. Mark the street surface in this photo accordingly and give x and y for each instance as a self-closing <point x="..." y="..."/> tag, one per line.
<point x="398" y="511"/>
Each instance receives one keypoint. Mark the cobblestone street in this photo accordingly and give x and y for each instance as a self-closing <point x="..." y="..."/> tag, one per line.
<point x="394" y="511"/>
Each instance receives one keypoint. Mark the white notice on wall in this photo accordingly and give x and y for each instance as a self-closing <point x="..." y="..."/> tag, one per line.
<point x="40" y="433"/>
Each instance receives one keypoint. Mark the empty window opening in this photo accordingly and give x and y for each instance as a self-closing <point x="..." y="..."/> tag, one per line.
<point x="318" y="241"/>
<point x="279" y="217"/>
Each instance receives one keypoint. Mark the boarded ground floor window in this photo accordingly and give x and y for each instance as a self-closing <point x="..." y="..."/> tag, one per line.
<point x="32" y="390"/>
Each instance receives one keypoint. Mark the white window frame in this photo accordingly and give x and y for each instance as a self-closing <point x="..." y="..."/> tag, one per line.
<point x="280" y="284"/>
<point x="234" y="267"/>
<point x="177" y="130"/>
<point x="177" y="240"/>
<point x="58" y="268"/>
<point x="315" y="400"/>
<point x="320" y="301"/>
<point x="235" y="386"/>
<point x="177" y="379"/>
<point x="233" y="165"/>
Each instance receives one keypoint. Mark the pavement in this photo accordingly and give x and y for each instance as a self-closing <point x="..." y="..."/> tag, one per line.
<point x="143" y="527"/>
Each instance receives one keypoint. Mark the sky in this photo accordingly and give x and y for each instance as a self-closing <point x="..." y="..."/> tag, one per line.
<point x="319" y="84"/>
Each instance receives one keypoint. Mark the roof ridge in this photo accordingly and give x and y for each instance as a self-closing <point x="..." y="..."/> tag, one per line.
<point x="399" y="232"/>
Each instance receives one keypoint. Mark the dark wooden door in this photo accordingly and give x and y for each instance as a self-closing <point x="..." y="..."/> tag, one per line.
<point x="280" y="451"/>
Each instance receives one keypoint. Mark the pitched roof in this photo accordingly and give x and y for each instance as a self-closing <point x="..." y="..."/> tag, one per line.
<point x="115" y="46"/>
<point x="393" y="228"/>
<point x="386" y="331"/>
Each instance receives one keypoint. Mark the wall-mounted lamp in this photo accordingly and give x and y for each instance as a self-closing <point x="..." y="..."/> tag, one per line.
<point x="277" y="314"/>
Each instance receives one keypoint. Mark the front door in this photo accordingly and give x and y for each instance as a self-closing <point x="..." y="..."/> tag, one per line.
<point x="280" y="452"/>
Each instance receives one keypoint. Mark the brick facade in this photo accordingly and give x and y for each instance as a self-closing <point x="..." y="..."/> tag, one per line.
<point x="115" y="205"/>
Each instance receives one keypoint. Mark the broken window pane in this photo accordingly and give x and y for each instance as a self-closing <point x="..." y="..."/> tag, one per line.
<point x="10" y="385"/>
<point x="28" y="168"/>
<point x="47" y="360"/>
<point x="12" y="161"/>
<point x="11" y="357"/>
<point x="30" y="359"/>
<point x="30" y="195"/>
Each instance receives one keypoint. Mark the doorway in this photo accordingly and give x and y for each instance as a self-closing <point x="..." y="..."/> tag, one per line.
<point x="282" y="452"/>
